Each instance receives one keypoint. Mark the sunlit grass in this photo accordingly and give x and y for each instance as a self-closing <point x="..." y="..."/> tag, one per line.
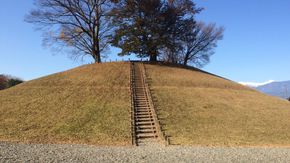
<point x="201" y="109"/>
<point x="89" y="105"/>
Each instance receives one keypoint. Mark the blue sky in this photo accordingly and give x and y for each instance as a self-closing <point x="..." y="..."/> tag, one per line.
<point x="256" y="44"/>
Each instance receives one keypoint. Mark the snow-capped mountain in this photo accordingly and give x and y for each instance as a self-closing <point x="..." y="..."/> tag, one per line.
<point x="279" y="89"/>
<point x="254" y="84"/>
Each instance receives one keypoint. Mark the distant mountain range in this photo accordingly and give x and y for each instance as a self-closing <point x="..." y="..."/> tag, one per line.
<point x="279" y="89"/>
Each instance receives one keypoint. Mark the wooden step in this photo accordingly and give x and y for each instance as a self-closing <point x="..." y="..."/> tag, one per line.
<point x="142" y="102"/>
<point x="145" y="123"/>
<point x="145" y="106"/>
<point x="141" y="99"/>
<point x="147" y="135"/>
<point x="144" y="120"/>
<point x="146" y="132"/>
<point x="143" y="116"/>
<point x="146" y="128"/>
<point x="144" y="111"/>
<point x="140" y="94"/>
<point x="138" y="106"/>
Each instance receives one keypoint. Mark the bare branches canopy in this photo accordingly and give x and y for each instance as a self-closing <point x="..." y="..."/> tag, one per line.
<point x="83" y="25"/>
<point x="196" y="45"/>
<point x="163" y="29"/>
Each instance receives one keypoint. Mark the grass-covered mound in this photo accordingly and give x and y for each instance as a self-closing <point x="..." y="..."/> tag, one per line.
<point x="197" y="108"/>
<point x="88" y="104"/>
<point x="91" y="105"/>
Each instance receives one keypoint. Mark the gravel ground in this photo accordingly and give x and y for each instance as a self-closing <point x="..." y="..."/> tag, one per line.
<point x="11" y="152"/>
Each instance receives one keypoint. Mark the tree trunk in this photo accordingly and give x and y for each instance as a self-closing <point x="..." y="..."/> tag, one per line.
<point x="99" y="59"/>
<point x="98" y="52"/>
<point x="186" y="58"/>
<point x="153" y="56"/>
<point x="97" y="56"/>
<point x="185" y="61"/>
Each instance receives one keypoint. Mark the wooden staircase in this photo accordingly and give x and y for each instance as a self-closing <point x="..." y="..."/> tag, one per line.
<point x="145" y="125"/>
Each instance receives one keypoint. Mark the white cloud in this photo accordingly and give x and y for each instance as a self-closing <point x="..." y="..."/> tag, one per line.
<point x="255" y="84"/>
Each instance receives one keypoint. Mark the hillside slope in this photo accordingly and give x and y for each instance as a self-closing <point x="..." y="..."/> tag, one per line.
<point x="91" y="105"/>
<point x="88" y="104"/>
<point x="201" y="109"/>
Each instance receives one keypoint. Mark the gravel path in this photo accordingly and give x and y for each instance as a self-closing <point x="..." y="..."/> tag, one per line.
<point x="10" y="152"/>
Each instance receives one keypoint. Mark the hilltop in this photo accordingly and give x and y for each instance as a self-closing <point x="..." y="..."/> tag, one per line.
<point x="91" y="105"/>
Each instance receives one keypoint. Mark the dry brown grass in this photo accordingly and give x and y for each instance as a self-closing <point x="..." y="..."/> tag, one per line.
<point x="201" y="109"/>
<point x="89" y="104"/>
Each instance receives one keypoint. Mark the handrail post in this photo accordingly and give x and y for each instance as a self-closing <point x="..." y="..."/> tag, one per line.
<point x="161" y="134"/>
<point x="132" y="82"/>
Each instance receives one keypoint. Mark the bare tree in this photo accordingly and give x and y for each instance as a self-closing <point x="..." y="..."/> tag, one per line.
<point x="83" y="25"/>
<point x="199" y="43"/>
